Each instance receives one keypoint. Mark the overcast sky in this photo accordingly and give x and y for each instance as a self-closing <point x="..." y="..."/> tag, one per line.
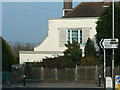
<point x="28" y="21"/>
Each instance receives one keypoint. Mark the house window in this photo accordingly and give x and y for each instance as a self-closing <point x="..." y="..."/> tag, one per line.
<point x="74" y="35"/>
<point x="68" y="35"/>
<point x="80" y="36"/>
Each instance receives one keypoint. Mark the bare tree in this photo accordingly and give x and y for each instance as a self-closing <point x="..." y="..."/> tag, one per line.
<point x="16" y="47"/>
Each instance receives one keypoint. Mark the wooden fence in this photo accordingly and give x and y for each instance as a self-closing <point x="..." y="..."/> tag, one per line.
<point x="80" y="73"/>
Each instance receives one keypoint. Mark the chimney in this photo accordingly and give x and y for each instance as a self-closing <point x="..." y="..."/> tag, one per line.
<point x="106" y="3"/>
<point x="67" y="7"/>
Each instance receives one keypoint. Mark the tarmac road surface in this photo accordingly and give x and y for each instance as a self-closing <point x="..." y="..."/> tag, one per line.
<point x="53" y="86"/>
<point x="53" y="89"/>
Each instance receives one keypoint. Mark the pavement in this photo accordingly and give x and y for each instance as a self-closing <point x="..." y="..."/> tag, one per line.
<point x="53" y="85"/>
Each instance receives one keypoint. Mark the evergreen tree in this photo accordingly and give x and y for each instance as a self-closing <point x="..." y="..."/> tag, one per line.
<point x="90" y="58"/>
<point x="7" y="56"/>
<point x="104" y="29"/>
<point x="89" y="48"/>
<point x="73" y="51"/>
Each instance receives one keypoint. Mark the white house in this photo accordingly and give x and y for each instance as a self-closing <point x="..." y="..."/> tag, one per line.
<point x="77" y="24"/>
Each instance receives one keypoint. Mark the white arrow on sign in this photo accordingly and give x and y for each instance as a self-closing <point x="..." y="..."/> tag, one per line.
<point x="101" y="43"/>
<point x="109" y="43"/>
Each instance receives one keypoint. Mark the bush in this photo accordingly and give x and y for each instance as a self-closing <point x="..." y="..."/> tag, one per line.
<point x="58" y="62"/>
<point x="90" y="61"/>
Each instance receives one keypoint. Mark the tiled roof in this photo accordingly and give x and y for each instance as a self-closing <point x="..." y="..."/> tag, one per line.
<point x="86" y="9"/>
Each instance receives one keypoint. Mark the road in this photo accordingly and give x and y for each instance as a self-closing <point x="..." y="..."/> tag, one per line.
<point x="53" y="89"/>
<point x="53" y="86"/>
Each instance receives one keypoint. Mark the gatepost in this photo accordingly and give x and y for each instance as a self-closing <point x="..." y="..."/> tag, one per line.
<point x="117" y="82"/>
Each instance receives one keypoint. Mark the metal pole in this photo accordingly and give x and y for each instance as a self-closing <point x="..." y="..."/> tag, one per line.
<point x="113" y="38"/>
<point x="99" y="80"/>
<point x="104" y="65"/>
<point x="113" y="65"/>
<point x="24" y="80"/>
<point x="113" y="18"/>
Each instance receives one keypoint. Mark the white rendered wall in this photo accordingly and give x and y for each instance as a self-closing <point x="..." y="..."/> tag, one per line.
<point x="31" y="58"/>
<point x="51" y="43"/>
<point x="34" y="57"/>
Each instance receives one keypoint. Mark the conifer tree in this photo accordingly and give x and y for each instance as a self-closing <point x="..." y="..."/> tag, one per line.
<point x="89" y="48"/>
<point x="104" y="29"/>
<point x="7" y="56"/>
<point x="73" y="51"/>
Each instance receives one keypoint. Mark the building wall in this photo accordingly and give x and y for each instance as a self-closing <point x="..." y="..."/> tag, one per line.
<point x="51" y="43"/>
<point x="31" y="57"/>
<point x="36" y="56"/>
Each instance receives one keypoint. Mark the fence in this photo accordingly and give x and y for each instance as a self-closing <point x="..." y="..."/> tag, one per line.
<point x="17" y="74"/>
<point x="6" y="77"/>
<point x="80" y="73"/>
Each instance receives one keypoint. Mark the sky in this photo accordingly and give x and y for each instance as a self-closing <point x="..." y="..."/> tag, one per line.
<point x="28" y="21"/>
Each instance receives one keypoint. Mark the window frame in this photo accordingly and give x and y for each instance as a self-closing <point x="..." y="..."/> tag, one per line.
<point x="71" y="35"/>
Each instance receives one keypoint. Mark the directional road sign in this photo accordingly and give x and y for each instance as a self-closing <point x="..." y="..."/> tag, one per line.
<point x="109" y="43"/>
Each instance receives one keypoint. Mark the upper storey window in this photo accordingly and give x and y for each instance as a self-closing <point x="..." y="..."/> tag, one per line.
<point x="74" y="35"/>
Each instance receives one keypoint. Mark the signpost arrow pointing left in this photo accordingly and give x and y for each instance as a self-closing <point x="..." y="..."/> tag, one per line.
<point x="101" y="43"/>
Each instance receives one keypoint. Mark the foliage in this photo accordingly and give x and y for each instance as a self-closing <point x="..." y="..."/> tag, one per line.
<point x="58" y="62"/>
<point x="73" y="51"/>
<point x="7" y="56"/>
<point x="71" y="56"/>
<point x="33" y="64"/>
<point x="104" y="29"/>
<point x="89" y="48"/>
<point x="90" y="55"/>
<point x="90" y="61"/>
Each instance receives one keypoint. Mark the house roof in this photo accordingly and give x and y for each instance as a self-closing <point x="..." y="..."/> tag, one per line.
<point x="86" y="9"/>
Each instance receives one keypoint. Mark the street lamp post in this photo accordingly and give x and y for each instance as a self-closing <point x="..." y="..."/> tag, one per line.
<point x="113" y="38"/>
